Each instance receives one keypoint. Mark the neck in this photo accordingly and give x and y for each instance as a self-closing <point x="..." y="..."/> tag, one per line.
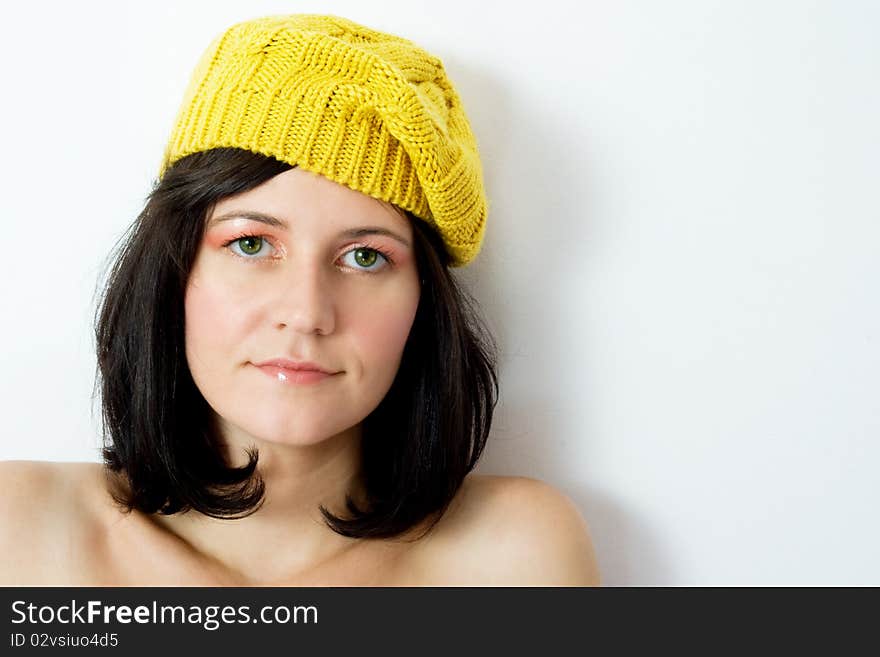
<point x="287" y="535"/>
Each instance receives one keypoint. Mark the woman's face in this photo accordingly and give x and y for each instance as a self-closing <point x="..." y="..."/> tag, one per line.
<point x="306" y="289"/>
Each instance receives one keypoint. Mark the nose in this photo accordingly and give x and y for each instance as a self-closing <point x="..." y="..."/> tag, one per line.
<point x="306" y="303"/>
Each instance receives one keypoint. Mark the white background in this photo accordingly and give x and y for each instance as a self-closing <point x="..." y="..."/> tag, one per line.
<point x="681" y="262"/>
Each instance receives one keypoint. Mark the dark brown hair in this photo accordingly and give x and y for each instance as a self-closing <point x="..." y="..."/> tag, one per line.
<point x="417" y="445"/>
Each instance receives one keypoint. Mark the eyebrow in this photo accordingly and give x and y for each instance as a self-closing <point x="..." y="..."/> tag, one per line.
<point x="280" y="223"/>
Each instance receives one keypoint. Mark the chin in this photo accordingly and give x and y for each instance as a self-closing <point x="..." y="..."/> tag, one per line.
<point x="292" y="433"/>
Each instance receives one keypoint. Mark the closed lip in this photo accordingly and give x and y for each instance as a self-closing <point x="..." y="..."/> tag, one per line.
<point x="288" y="364"/>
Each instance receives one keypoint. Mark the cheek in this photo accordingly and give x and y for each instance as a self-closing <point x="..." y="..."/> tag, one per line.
<point x="383" y="327"/>
<point x="213" y="317"/>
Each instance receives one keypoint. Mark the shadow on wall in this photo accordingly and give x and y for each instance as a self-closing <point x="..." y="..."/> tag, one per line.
<point x="528" y="279"/>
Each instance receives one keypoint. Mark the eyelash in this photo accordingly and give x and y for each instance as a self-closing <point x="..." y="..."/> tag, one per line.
<point x="371" y="247"/>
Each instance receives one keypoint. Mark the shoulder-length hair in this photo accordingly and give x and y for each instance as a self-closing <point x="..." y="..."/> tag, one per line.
<point x="158" y="432"/>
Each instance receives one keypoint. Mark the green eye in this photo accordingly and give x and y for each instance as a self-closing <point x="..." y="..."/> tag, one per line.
<point x="251" y="244"/>
<point x="365" y="260"/>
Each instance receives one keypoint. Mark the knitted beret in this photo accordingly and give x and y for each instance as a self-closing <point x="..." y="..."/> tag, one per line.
<point x="369" y="110"/>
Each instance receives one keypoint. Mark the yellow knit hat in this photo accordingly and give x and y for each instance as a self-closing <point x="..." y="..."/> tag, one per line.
<point x="370" y="110"/>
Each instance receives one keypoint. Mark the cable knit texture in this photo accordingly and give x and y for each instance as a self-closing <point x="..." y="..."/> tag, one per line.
<point x="370" y="110"/>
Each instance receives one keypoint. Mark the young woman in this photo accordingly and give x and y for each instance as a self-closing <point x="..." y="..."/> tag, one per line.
<point x="294" y="388"/>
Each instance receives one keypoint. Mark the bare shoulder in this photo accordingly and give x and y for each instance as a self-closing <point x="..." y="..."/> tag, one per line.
<point x="45" y="507"/>
<point x="510" y="531"/>
<point x="29" y="494"/>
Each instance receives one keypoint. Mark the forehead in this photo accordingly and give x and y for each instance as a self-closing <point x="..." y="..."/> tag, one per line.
<point x="302" y="198"/>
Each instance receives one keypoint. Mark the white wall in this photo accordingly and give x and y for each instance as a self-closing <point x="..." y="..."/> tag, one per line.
<point x="681" y="262"/>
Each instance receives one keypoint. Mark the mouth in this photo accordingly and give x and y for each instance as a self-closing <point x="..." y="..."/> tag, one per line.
<point x="286" y="375"/>
<point x="293" y="365"/>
